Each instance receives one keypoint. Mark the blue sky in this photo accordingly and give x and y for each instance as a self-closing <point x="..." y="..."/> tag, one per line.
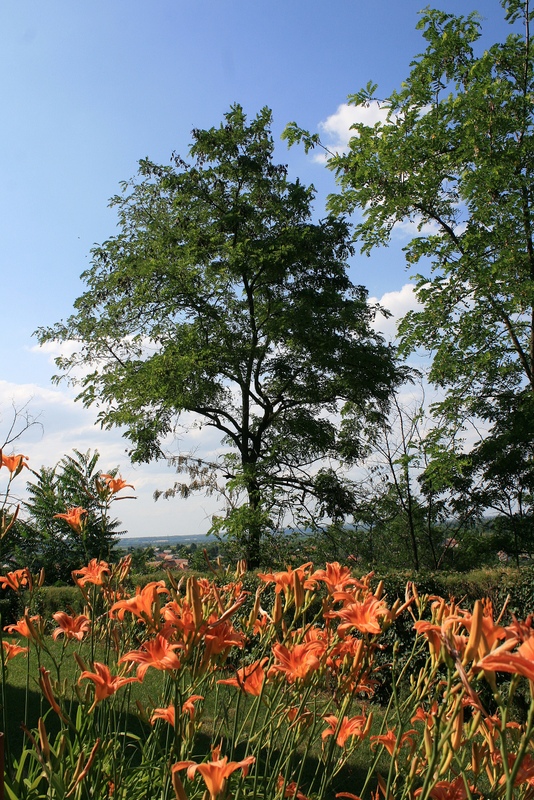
<point x="89" y="88"/>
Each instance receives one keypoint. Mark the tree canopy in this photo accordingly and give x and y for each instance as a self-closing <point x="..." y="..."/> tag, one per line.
<point x="454" y="157"/>
<point x="222" y="297"/>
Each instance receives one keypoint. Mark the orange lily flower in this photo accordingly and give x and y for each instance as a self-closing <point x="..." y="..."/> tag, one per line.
<point x="363" y="616"/>
<point x="484" y="632"/>
<point x="168" y="714"/>
<point x="220" y="637"/>
<point x="188" y="706"/>
<point x="158" y="653"/>
<point x="434" y="634"/>
<point x="13" y="463"/>
<point x="29" y="627"/>
<point x="525" y="773"/>
<point x="12" y="650"/>
<point x="15" y="580"/>
<point x="519" y="663"/>
<point x="105" y="683"/>
<point x="300" y="717"/>
<point x="298" y="663"/>
<point x="355" y="726"/>
<point x="115" y="485"/>
<point x="427" y="717"/>
<point x="73" y="517"/>
<point x="262" y="622"/>
<point x="448" y="790"/>
<point x="389" y="740"/>
<point x="249" y="678"/>
<point x="180" y="620"/>
<point x="93" y="573"/>
<point x="71" y="627"/>
<point x="335" y="577"/>
<point x="144" y="605"/>
<point x="284" y="581"/>
<point x="291" y="788"/>
<point x="216" y="772"/>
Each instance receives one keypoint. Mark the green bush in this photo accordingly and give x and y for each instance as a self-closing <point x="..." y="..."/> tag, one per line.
<point x="50" y="599"/>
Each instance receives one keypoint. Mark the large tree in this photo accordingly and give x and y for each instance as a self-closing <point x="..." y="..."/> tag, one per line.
<point x="454" y="156"/>
<point x="222" y="297"/>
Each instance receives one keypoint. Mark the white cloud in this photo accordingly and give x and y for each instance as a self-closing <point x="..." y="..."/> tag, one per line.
<point x="411" y="228"/>
<point x="398" y="302"/>
<point x="54" y="349"/>
<point x="336" y="129"/>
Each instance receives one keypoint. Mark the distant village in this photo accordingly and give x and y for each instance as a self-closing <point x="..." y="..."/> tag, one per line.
<point x="172" y="553"/>
<point x="166" y="559"/>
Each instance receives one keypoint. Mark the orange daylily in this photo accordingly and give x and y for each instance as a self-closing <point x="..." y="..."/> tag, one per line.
<point x="144" y="605"/>
<point x="443" y="634"/>
<point x="180" y="620"/>
<point x="427" y="717"/>
<point x="298" y="716"/>
<point x="13" y="463"/>
<point x="297" y="663"/>
<point x="168" y="714"/>
<point x="262" y="622"/>
<point x="188" y="706"/>
<point x="16" y="579"/>
<point x="389" y="740"/>
<point x="71" y="627"/>
<point x="29" y="627"/>
<point x="291" y="788"/>
<point x="355" y="726"/>
<point x="434" y="634"/>
<point x="73" y="517"/>
<point x="484" y="633"/>
<point x="519" y="663"/>
<point x="115" y="484"/>
<point x="335" y="577"/>
<point x="12" y="650"/>
<point x="215" y="772"/>
<point x="93" y="573"/>
<point x="364" y="616"/>
<point x="219" y="637"/>
<point x="284" y="581"/>
<point x="525" y="773"/>
<point x="249" y="678"/>
<point x="158" y="653"/>
<point x="105" y="683"/>
<point x="448" y="790"/>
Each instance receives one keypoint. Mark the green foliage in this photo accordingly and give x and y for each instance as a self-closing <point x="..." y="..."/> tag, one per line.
<point x="454" y="157"/>
<point x="221" y="297"/>
<point x="57" y="598"/>
<point x="50" y="542"/>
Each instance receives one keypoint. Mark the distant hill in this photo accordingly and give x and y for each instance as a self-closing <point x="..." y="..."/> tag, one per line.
<point x="162" y="541"/>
